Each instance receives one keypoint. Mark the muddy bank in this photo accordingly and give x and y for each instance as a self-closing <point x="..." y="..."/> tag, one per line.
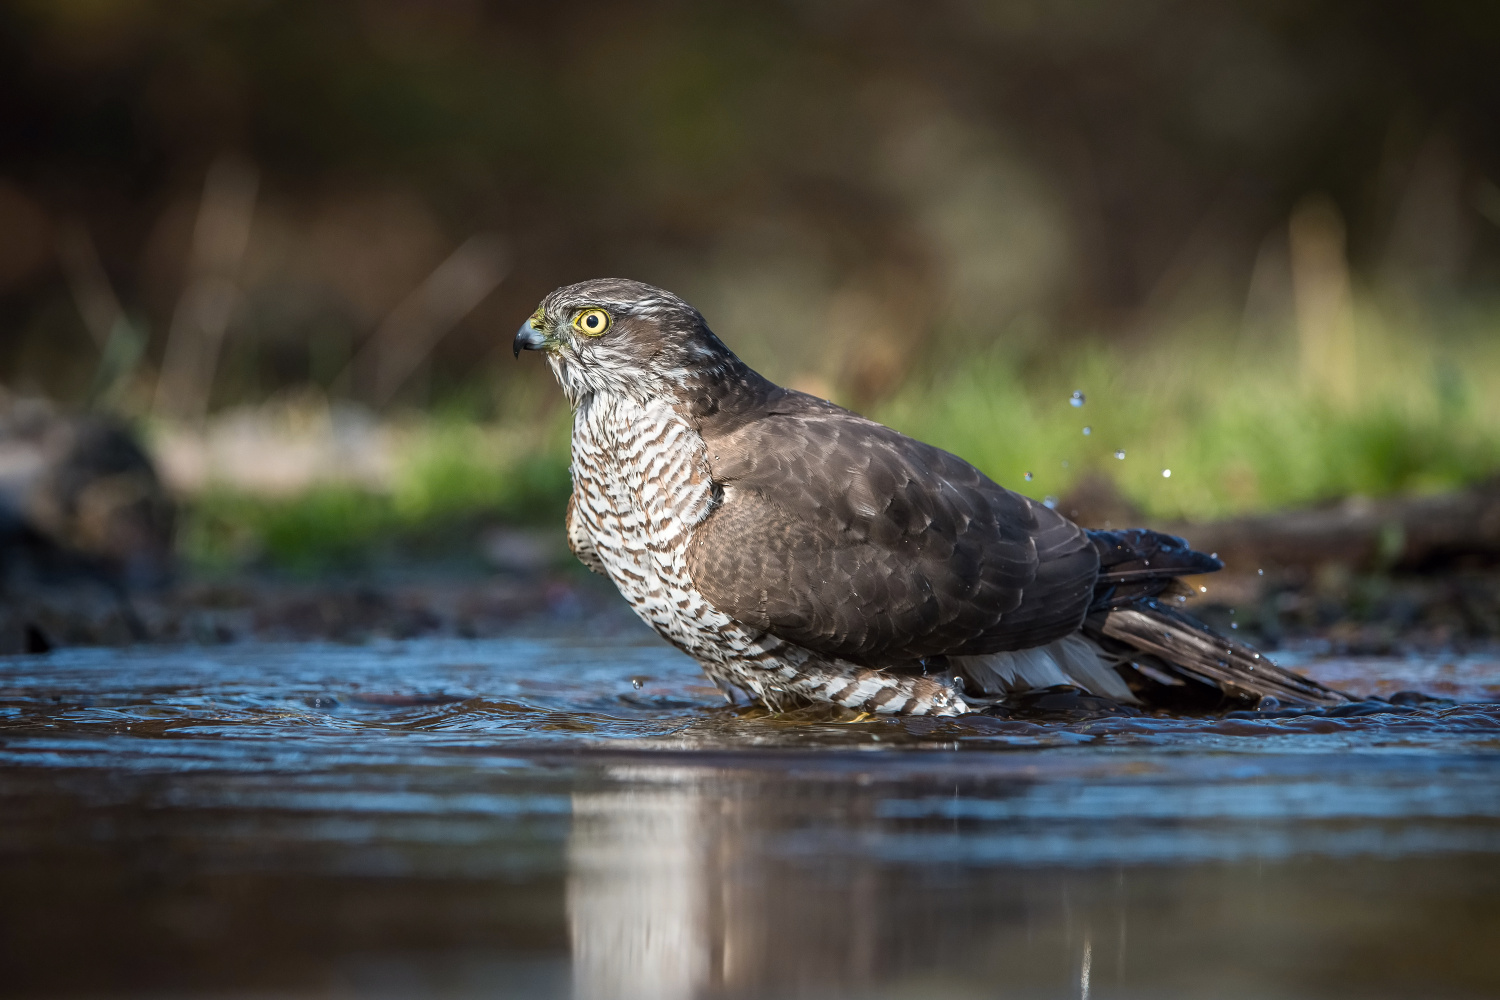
<point x="1452" y="605"/>
<point x="94" y="611"/>
<point x="1357" y="612"/>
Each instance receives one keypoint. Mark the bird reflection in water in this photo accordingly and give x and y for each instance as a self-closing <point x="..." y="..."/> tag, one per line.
<point x="688" y="882"/>
<point x="670" y="894"/>
<point x="640" y="905"/>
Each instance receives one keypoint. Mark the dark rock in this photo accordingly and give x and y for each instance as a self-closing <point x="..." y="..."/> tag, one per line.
<point x="83" y="517"/>
<point x="83" y="485"/>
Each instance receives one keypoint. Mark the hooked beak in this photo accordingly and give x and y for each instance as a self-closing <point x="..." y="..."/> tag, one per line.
<point x="529" y="338"/>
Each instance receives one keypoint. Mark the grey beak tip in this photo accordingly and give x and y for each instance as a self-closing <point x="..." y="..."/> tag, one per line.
<point x="528" y="338"/>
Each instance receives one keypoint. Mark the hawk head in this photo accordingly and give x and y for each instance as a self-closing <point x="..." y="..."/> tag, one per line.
<point x="616" y="336"/>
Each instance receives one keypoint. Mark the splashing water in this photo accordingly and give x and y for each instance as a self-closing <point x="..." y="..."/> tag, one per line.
<point x="1077" y="399"/>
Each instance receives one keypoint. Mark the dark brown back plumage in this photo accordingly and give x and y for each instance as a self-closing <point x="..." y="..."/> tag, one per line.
<point x="853" y="540"/>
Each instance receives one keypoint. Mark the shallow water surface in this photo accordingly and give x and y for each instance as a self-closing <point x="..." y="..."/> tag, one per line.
<point x="560" y="817"/>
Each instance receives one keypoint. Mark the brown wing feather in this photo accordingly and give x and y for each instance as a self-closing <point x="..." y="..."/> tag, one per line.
<point x="853" y="540"/>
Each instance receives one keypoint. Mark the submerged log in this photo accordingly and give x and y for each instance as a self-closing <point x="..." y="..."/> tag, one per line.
<point x="1404" y="533"/>
<point x="1396" y="533"/>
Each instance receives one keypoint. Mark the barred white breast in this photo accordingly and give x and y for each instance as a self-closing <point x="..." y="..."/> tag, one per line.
<point x="640" y="485"/>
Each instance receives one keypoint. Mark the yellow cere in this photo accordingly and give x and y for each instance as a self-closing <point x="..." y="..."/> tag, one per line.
<point x="591" y="322"/>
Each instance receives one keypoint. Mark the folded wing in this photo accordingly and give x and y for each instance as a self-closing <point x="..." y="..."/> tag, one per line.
<point x="848" y="538"/>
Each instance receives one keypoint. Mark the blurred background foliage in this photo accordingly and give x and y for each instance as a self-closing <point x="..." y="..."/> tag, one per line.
<point x="292" y="240"/>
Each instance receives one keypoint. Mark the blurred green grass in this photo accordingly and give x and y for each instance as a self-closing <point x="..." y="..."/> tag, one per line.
<point x="451" y="481"/>
<point x="1235" y="420"/>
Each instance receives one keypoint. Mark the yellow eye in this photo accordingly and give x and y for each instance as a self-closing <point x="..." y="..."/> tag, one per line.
<point x="591" y="322"/>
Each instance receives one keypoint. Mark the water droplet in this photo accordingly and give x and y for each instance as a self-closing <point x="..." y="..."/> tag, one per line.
<point x="1120" y="454"/>
<point x="1065" y="463"/>
<point x="1231" y="611"/>
<point x="1027" y="477"/>
<point x="1087" y="431"/>
<point x="1202" y="590"/>
<point x="1268" y="704"/>
<point x="1077" y="399"/>
<point x="1260" y="572"/>
<point x="637" y="682"/>
<point x="1255" y="656"/>
<point x="1166" y="473"/>
<point x="1050" y="503"/>
<point x="1213" y="555"/>
<point x="1234" y="624"/>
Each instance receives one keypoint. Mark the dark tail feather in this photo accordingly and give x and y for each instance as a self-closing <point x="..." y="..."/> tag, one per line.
<point x="1168" y="647"/>
<point x="1139" y="563"/>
